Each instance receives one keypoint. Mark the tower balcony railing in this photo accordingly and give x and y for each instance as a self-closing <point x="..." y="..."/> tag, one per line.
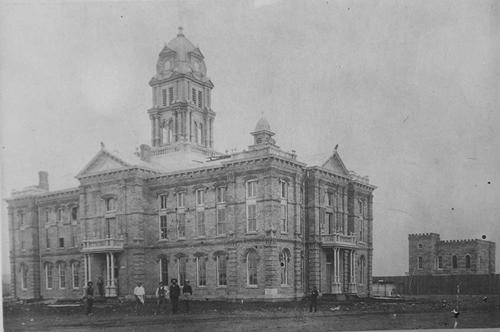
<point x="102" y="245"/>
<point x="338" y="239"/>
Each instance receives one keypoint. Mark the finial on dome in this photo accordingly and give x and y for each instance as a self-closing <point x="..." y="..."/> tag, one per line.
<point x="180" y="34"/>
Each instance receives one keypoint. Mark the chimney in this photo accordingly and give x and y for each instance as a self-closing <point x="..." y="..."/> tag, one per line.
<point x="43" y="180"/>
<point x="145" y="152"/>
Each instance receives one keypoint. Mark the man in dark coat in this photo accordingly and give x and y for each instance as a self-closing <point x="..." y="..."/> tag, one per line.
<point x="187" y="291"/>
<point x="88" y="296"/>
<point x="314" y="299"/>
<point x="175" y="292"/>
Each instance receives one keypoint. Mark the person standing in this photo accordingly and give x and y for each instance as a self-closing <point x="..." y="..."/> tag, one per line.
<point x="314" y="299"/>
<point x="161" y="297"/>
<point x="139" y="294"/>
<point x="88" y="296"/>
<point x="100" y="286"/>
<point x="187" y="291"/>
<point x="175" y="292"/>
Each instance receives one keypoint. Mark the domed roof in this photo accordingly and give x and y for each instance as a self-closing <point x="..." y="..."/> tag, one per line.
<point x="262" y="125"/>
<point x="182" y="46"/>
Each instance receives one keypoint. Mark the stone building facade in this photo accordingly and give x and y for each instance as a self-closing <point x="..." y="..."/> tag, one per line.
<point x="429" y="255"/>
<point x="254" y="224"/>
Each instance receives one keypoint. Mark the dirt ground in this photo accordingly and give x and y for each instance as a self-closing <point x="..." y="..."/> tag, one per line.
<point x="432" y="312"/>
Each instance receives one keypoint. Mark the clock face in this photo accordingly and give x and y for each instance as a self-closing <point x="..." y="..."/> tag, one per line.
<point x="167" y="65"/>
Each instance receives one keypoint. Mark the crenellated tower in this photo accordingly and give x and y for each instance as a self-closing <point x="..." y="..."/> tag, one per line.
<point x="181" y="115"/>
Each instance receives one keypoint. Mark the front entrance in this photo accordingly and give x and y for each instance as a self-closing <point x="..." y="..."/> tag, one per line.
<point x="102" y="269"/>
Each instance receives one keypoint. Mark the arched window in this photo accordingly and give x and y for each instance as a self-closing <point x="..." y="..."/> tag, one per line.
<point x="221" y="259"/>
<point x="49" y="278"/>
<point x="164" y="135"/>
<point x="454" y="262"/>
<point x="362" y="270"/>
<point x="164" y="270"/>
<point x="181" y="269"/>
<point x="284" y="262"/>
<point x="75" y="274"/>
<point x="61" y="269"/>
<point x="467" y="261"/>
<point x="252" y="268"/>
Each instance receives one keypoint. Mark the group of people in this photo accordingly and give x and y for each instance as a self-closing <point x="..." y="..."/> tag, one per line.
<point x="162" y="294"/>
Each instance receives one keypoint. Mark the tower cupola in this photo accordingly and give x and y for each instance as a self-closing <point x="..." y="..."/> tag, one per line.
<point x="263" y="133"/>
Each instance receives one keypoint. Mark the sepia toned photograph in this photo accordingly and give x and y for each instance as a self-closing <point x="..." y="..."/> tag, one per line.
<point x="253" y="165"/>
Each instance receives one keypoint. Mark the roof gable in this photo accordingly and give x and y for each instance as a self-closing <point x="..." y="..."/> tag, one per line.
<point x="103" y="161"/>
<point x="335" y="164"/>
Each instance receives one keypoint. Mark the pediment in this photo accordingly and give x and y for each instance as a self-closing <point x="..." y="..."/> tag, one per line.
<point x="103" y="161"/>
<point x="336" y="165"/>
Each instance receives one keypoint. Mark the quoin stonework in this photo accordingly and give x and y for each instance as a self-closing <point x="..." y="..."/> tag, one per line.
<point x="429" y="255"/>
<point x="254" y="224"/>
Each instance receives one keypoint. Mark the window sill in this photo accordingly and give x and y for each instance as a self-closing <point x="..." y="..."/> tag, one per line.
<point x="285" y="286"/>
<point x="251" y="233"/>
<point x="221" y="235"/>
<point x="221" y="287"/>
<point x="252" y="286"/>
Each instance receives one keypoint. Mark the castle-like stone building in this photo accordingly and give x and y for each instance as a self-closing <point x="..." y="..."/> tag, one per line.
<point x="252" y="224"/>
<point x="431" y="256"/>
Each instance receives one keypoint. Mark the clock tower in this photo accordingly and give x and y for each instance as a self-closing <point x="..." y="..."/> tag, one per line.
<point x="181" y="115"/>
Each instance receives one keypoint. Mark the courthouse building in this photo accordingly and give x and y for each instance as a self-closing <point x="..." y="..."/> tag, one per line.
<point x="254" y="224"/>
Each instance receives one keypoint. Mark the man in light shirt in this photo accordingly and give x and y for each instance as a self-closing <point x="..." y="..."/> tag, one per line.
<point x="139" y="293"/>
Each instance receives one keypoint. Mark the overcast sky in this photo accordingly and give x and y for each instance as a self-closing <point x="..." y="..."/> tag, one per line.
<point x="408" y="89"/>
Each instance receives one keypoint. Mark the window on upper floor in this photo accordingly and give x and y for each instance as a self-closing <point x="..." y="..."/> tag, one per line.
<point x="193" y="95"/>
<point x="362" y="270"/>
<point x="199" y="99"/>
<point x="284" y="217"/>
<point x="200" y="197"/>
<point x="61" y="242"/>
<point x="164" y="97"/>
<point x="163" y="202"/>
<point x="252" y="189"/>
<point x="454" y="262"/>
<point x="221" y="220"/>
<point x="24" y="276"/>
<point x="331" y="223"/>
<point x="181" y="225"/>
<point x="59" y="215"/>
<point x="47" y="238"/>
<point x="283" y="190"/>
<point x="180" y="200"/>
<point x="74" y="213"/>
<point x="20" y="216"/>
<point x="163" y="227"/>
<point x="200" y="223"/>
<point x="110" y="204"/>
<point x="329" y="199"/>
<point x="170" y="95"/>
<point x="221" y="192"/>
<point x="251" y="218"/>
<point x="420" y="263"/>
<point x="440" y="262"/>
<point x="467" y="261"/>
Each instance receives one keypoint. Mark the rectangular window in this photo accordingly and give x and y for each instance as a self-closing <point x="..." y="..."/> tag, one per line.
<point x="283" y="190"/>
<point x="59" y="215"/>
<point x="221" y="270"/>
<point x="163" y="202"/>
<point x="193" y="95"/>
<point x="170" y="95"/>
<point x="47" y="238"/>
<point x="24" y="277"/>
<point x="164" y="97"/>
<point x="200" y="197"/>
<point x="251" y="218"/>
<point x="181" y="265"/>
<point x="284" y="218"/>
<point x="62" y="276"/>
<point x="199" y="99"/>
<point x="329" y="199"/>
<point x="181" y="225"/>
<point x="331" y="224"/>
<point x="440" y="262"/>
<point x="251" y="189"/>
<point x="75" y="275"/>
<point x="221" y="221"/>
<point x="48" y="276"/>
<point x="180" y="200"/>
<point x="200" y="223"/>
<point x="61" y="242"/>
<point x="164" y="270"/>
<point x="21" y="218"/>
<point x="220" y="194"/>
<point x="74" y="213"/>
<point x="420" y="263"/>
<point x="110" y="204"/>
<point x="202" y="271"/>
<point x="74" y="240"/>
<point x="47" y="216"/>
<point x="163" y="227"/>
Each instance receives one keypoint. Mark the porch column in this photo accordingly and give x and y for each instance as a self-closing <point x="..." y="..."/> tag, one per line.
<point x="336" y="271"/>
<point x="352" y="274"/>
<point x="112" y="270"/>
<point x="85" y="271"/>
<point x="107" y="270"/>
